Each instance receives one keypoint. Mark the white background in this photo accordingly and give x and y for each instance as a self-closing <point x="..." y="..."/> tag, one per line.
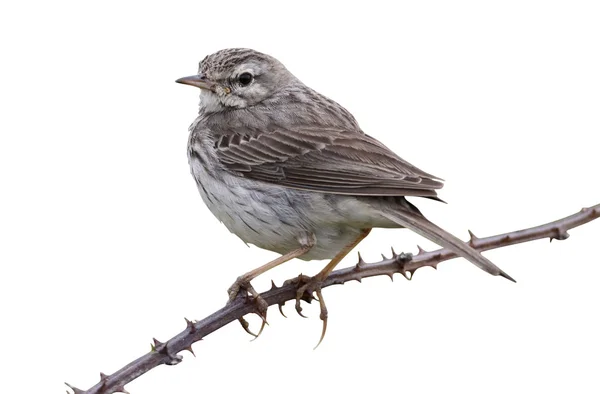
<point x="105" y="242"/>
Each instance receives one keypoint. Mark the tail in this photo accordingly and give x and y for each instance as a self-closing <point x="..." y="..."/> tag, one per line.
<point x="408" y="216"/>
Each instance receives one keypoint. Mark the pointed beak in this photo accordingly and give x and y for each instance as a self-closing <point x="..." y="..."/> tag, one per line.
<point x="199" y="81"/>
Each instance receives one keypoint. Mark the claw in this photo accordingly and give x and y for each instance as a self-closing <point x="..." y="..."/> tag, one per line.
<point x="246" y="327"/>
<point x="322" y="316"/>
<point x="299" y="308"/>
<point x="322" y="334"/>
<point x="262" y="326"/>
<point x="301" y="282"/>
<point x="306" y="286"/>
<point x="261" y="304"/>
<point x="263" y="318"/>
<point x="280" y="306"/>
<point x="250" y="294"/>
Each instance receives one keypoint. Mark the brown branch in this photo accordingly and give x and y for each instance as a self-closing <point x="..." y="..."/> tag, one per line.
<point x="167" y="353"/>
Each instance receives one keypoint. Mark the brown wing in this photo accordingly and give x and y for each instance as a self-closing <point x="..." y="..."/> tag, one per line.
<point x="325" y="160"/>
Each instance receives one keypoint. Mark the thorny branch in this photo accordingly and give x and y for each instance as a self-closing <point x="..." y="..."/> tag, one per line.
<point x="167" y="353"/>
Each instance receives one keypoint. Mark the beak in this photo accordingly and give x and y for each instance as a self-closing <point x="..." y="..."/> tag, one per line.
<point x="199" y="81"/>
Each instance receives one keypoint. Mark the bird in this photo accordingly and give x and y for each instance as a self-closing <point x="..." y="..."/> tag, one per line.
<point x="288" y="169"/>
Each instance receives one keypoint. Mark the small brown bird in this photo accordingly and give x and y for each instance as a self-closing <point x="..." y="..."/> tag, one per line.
<point x="289" y="170"/>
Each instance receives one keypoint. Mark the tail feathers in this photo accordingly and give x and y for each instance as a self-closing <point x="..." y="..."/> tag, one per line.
<point x="416" y="222"/>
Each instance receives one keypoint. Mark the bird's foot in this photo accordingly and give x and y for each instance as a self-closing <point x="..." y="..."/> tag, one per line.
<point x="242" y="288"/>
<point x="306" y="287"/>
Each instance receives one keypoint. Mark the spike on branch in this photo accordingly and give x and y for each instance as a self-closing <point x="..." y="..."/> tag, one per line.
<point x="273" y="286"/>
<point x="121" y="389"/>
<point x="361" y="263"/>
<point x="407" y="274"/>
<point x="421" y="250"/>
<point x="103" y="379"/>
<point x="472" y="239"/>
<point x="156" y="345"/>
<point x="190" y="326"/>
<point x="394" y="254"/>
<point x="189" y="349"/>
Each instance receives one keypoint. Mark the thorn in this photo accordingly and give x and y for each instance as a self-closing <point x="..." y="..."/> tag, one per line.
<point x="394" y="254"/>
<point x="360" y="259"/>
<point x="361" y="263"/>
<point x="421" y="250"/>
<point x="156" y="346"/>
<point x="391" y="275"/>
<point x="383" y="257"/>
<point x="189" y="349"/>
<point x="281" y="309"/>
<point x="103" y="379"/>
<point x="472" y="239"/>
<point x="121" y="390"/>
<point x="190" y="325"/>
<point x="358" y="279"/>
<point x="507" y="276"/>
<point x="273" y="287"/>
<point x="75" y="389"/>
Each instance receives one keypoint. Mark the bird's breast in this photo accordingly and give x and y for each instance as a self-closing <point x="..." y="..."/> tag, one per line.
<point x="274" y="217"/>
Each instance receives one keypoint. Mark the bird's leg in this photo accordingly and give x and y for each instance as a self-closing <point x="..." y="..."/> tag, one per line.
<point x="243" y="283"/>
<point x="310" y="285"/>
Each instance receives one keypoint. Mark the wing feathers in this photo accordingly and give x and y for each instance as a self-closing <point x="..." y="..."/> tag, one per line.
<point x="323" y="159"/>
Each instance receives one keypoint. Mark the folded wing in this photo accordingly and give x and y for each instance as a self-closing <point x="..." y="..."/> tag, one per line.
<point x="321" y="159"/>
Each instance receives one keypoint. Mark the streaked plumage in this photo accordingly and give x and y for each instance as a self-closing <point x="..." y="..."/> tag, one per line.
<point x="276" y="162"/>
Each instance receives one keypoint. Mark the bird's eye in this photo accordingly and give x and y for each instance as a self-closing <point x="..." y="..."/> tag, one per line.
<point x="245" y="79"/>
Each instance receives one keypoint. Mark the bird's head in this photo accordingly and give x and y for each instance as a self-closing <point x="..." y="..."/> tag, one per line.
<point x="237" y="78"/>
